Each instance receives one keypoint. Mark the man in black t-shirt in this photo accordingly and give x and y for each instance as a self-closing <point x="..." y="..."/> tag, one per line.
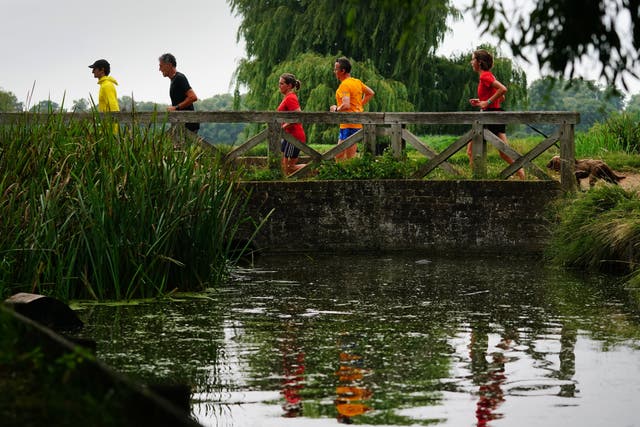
<point x="181" y="93"/>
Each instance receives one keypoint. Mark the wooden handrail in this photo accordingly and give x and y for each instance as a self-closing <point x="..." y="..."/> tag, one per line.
<point x="507" y="117"/>
<point x="565" y="135"/>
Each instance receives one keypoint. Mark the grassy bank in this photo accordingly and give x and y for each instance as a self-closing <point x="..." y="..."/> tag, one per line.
<point x="599" y="230"/>
<point x="90" y="210"/>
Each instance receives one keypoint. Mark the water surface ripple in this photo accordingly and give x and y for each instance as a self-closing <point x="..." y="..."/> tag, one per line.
<point x="390" y="340"/>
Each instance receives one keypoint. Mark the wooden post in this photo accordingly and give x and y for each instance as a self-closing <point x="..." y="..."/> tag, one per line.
<point x="568" y="179"/>
<point x="273" y="139"/>
<point x="369" y="142"/>
<point x="396" y="141"/>
<point x="479" y="152"/>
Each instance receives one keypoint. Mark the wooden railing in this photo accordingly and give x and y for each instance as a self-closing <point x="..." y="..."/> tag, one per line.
<point x="375" y="125"/>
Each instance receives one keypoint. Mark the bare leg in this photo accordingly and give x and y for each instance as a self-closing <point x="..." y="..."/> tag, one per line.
<point x="349" y="153"/>
<point x="503" y="137"/>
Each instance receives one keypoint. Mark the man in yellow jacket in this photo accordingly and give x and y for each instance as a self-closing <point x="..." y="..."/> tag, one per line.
<point x="107" y="98"/>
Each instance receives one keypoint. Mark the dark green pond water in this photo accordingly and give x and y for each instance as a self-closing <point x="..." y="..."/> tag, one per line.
<point x="390" y="340"/>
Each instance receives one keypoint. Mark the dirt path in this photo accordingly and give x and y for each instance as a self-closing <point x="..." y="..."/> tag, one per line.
<point x="630" y="182"/>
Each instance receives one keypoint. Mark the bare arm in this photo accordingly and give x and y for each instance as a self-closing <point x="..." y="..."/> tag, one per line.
<point x="498" y="95"/>
<point x="346" y="103"/>
<point x="368" y="94"/>
<point x="190" y="98"/>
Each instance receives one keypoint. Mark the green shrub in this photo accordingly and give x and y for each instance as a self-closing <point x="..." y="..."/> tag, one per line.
<point x="367" y="167"/>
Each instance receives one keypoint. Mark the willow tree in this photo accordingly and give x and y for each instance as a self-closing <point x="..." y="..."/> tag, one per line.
<point x="397" y="37"/>
<point x="9" y="102"/>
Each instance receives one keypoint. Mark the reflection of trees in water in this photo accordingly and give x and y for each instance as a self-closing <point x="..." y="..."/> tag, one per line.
<point x="400" y="313"/>
<point x="406" y="312"/>
<point x="487" y="364"/>
<point x="567" y="370"/>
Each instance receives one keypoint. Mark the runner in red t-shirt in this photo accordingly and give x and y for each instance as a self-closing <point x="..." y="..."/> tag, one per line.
<point x="490" y="95"/>
<point x="288" y="85"/>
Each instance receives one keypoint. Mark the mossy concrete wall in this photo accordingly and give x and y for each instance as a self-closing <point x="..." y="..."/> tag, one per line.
<point x="395" y="215"/>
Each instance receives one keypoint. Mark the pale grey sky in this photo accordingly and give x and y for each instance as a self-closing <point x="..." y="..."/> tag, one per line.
<point x="52" y="43"/>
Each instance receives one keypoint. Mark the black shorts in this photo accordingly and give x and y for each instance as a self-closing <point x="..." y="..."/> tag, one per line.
<point x="289" y="151"/>
<point x="496" y="129"/>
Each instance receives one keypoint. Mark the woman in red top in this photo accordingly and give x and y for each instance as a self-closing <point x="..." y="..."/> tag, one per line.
<point x="490" y="95"/>
<point x="288" y="85"/>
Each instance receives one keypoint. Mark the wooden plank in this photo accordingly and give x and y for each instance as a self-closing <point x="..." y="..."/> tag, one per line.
<point x="568" y="160"/>
<point x="304" y="171"/>
<point x="426" y="151"/>
<point x="246" y="146"/>
<point x="369" y="138"/>
<point x="532" y="155"/>
<point x="448" y="152"/>
<point x="384" y="131"/>
<point x="274" y="132"/>
<point x="508" y="117"/>
<point x="517" y="158"/>
<point x="315" y="155"/>
<point x="396" y="141"/>
<point x="478" y="152"/>
<point x="339" y="148"/>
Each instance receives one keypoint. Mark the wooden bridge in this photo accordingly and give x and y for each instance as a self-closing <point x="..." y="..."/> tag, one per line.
<point x="375" y="125"/>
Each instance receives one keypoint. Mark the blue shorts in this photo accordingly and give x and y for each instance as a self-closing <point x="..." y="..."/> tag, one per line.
<point x="289" y="151"/>
<point x="347" y="132"/>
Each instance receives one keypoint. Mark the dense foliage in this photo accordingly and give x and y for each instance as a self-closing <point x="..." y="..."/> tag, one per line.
<point x="563" y="32"/>
<point x="367" y="166"/>
<point x="621" y="130"/>
<point x="592" y="101"/>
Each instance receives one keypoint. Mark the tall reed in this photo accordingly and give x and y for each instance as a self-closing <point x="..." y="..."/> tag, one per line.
<point x="93" y="210"/>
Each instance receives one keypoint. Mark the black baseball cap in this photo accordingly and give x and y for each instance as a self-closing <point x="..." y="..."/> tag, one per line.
<point x="100" y="63"/>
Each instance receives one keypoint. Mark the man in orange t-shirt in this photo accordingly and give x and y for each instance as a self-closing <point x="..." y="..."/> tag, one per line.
<point x="351" y="96"/>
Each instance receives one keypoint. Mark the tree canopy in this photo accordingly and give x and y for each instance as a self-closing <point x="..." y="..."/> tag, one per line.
<point x="397" y="38"/>
<point x="9" y="102"/>
<point x="592" y="101"/>
<point x="564" y="32"/>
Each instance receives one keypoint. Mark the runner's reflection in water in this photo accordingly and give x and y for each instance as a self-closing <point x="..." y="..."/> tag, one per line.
<point x="293" y="372"/>
<point x="351" y="391"/>
<point x="489" y="376"/>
